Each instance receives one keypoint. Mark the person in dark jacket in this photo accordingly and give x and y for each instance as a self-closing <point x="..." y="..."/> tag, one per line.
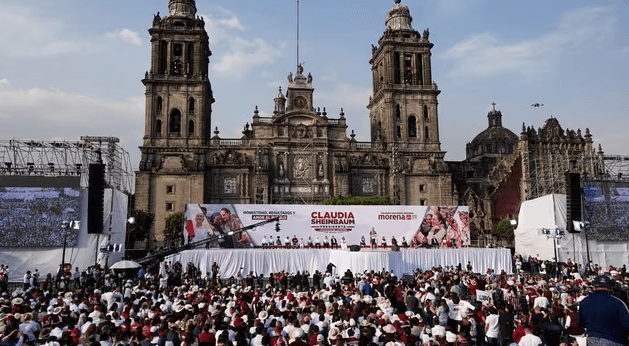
<point x="604" y="317"/>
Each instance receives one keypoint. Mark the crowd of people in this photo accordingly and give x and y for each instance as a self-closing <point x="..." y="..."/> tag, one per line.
<point x="182" y="306"/>
<point x="29" y="219"/>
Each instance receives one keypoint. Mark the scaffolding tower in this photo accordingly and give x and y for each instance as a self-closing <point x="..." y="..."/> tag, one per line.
<point x="549" y="162"/>
<point x="616" y="168"/>
<point x="65" y="158"/>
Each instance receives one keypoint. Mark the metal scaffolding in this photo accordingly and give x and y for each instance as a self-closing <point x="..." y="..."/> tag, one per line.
<point x="65" y="158"/>
<point x="549" y="162"/>
<point x="616" y="167"/>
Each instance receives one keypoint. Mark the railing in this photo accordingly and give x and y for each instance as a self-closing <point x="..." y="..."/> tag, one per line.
<point x="363" y="145"/>
<point x="333" y="122"/>
<point x="231" y="142"/>
<point x="264" y="120"/>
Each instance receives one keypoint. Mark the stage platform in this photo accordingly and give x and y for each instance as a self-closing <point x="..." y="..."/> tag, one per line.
<point x="266" y="261"/>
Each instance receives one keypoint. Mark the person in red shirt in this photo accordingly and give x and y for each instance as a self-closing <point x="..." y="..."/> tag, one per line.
<point x="518" y="331"/>
<point x="205" y="337"/>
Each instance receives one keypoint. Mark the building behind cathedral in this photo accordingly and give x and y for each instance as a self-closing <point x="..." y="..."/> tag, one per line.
<point x="302" y="154"/>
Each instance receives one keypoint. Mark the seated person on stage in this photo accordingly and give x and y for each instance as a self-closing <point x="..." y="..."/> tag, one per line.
<point x="393" y="241"/>
<point x="287" y="242"/>
<point x="404" y="242"/>
<point x="334" y="243"/>
<point x="278" y="242"/>
<point x="326" y="242"/>
<point x="295" y="242"/>
<point x="264" y="242"/>
<point x="317" y="242"/>
<point x="363" y="243"/>
<point x="414" y="243"/>
<point x="310" y="243"/>
<point x="343" y="244"/>
<point x="384" y="242"/>
<point x="301" y="243"/>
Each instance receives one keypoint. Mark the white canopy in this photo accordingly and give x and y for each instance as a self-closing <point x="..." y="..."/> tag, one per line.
<point x="550" y="212"/>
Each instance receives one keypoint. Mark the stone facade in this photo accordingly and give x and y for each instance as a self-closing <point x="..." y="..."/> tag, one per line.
<point x="301" y="154"/>
<point x="502" y="169"/>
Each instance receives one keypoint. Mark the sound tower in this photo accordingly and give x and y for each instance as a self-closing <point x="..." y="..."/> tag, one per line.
<point x="573" y="200"/>
<point x="95" y="197"/>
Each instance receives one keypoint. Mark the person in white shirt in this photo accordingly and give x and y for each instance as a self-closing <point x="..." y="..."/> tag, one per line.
<point x="529" y="339"/>
<point x="541" y="301"/>
<point x="492" y="328"/>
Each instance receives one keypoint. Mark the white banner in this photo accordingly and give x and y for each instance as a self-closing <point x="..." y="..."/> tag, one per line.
<point x="444" y="227"/>
<point x="483" y="296"/>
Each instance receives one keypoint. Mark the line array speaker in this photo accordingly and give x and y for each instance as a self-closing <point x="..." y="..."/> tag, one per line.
<point x="95" y="198"/>
<point x="573" y="200"/>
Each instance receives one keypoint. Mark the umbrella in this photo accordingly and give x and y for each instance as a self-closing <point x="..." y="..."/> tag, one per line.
<point x="125" y="264"/>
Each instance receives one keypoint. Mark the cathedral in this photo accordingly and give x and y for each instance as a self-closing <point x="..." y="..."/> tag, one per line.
<point x="302" y="154"/>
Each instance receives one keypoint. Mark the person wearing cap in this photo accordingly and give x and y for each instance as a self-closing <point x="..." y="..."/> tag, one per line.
<point x="604" y="317"/>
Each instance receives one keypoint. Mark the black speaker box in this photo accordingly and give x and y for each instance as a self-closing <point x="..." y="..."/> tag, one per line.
<point x="95" y="197"/>
<point x="573" y="200"/>
<point x="354" y="248"/>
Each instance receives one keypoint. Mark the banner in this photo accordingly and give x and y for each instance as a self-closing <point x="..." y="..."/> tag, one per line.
<point x="443" y="227"/>
<point x="483" y="296"/>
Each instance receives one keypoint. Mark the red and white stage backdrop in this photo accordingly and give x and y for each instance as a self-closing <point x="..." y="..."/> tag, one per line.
<point x="447" y="226"/>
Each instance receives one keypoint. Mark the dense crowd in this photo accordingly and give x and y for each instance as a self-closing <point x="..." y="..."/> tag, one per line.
<point x="184" y="307"/>
<point x="29" y="218"/>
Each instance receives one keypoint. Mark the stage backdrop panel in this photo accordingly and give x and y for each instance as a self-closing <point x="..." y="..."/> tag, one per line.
<point x="447" y="226"/>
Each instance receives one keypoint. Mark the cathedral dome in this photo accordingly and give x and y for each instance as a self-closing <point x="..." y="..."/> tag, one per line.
<point x="399" y="17"/>
<point x="494" y="134"/>
<point x="494" y="140"/>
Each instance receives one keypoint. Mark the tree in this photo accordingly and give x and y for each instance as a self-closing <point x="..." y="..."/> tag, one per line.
<point x="140" y="228"/>
<point x="173" y="231"/>
<point x="504" y="231"/>
<point x="357" y="200"/>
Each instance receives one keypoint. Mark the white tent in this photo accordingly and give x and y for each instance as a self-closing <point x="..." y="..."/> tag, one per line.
<point x="550" y="212"/>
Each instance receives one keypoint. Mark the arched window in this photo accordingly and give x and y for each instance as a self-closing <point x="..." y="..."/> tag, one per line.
<point x="426" y="134"/>
<point x="399" y="132"/>
<point x="158" y="106"/>
<point x="397" y="74"/>
<point x="191" y="105"/>
<point x="426" y="118"/>
<point x="174" y="123"/>
<point x="158" y="127"/>
<point x="398" y="113"/>
<point x="412" y="127"/>
<point x="191" y="128"/>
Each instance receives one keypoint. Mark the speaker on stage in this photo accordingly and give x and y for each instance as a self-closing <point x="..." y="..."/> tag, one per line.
<point x="354" y="248"/>
<point x="573" y="200"/>
<point x="95" y="197"/>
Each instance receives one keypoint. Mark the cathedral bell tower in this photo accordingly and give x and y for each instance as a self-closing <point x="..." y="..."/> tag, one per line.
<point x="403" y="108"/>
<point x="178" y="113"/>
<point x="403" y="112"/>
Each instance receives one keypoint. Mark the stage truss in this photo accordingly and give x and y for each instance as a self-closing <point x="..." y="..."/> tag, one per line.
<point x="65" y="158"/>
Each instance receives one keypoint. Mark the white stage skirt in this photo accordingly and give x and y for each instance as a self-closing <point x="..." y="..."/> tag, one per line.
<point x="266" y="261"/>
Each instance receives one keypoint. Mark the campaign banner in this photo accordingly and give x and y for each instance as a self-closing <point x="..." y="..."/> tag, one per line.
<point x="483" y="296"/>
<point x="435" y="226"/>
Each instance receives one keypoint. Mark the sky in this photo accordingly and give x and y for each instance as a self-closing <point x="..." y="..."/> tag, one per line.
<point x="70" y="68"/>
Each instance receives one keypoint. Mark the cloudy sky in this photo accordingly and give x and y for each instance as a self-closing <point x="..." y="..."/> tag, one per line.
<point x="70" y="68"/>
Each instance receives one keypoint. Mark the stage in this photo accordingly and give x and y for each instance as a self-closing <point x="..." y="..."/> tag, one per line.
<point x="266" y="261"/>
